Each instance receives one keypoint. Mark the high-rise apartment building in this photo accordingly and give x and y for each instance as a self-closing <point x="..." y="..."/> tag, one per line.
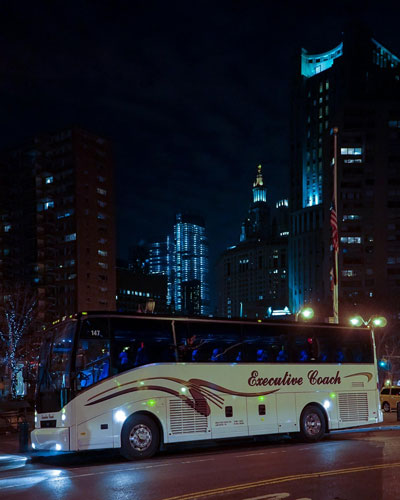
<point x="57" y="228"/>
<point x="190" y="284"/>
<point x="349" y="95"/>
<point x="252" y="275"/>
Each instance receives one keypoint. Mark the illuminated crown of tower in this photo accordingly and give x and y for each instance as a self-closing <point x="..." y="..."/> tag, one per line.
<point x="259" y="191"/>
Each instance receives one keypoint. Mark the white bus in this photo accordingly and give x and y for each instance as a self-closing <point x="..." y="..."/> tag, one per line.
<point x="135" y="383"/>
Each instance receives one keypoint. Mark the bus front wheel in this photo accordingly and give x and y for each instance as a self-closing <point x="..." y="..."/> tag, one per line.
<point x="140" y="437"/>
<point x="312" y="424"/>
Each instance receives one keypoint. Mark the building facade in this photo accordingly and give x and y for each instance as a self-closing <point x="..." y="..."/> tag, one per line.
<point x="140" y="292"/>
<point x="252" y="275"/>
<point x="190" y="263"/>
<point x="346" y="104"/>
<point x="57" y="227"/>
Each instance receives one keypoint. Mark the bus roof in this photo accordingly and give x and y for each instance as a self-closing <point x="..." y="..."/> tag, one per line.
<point x="243" y="321"/>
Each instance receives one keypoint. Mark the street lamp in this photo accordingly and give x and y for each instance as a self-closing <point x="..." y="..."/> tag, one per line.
<point x="375" y="321"/>
<point x="305" y="313"/>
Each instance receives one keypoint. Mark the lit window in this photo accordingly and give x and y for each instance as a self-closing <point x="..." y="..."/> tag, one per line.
<point x="7" y="228"/>
<point x="103" y="253"/>
<point x="353" y="160"/>
<point x="351" y="240"/>
<point x="351" y="151"/>
<point x="349" y="273"/>
<point x="49" y="180"/>
<point x="351" y="217"/>
<point x="70" y="237"/>
<point x="103" y="265"/>
<point x="101" y="191"/>
<point x="48" y="204"/>
<point x="101" y="216"/>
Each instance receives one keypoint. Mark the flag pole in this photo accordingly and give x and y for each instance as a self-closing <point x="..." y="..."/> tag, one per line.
<point x="336" y="242"/>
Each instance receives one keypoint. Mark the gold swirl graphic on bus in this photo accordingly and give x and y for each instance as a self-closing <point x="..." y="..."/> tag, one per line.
<point x="200" y="390"/>
<point x="366" y="374"/>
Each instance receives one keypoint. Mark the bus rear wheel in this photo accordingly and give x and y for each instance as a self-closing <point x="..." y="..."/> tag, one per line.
<point x="312" y="424"/>
<point x="140" y="437"/>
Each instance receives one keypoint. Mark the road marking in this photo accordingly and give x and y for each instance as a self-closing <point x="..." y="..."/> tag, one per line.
<point x="278" y="480"/>
<point x="250" y="455"/>
<point x="272" y="496"/>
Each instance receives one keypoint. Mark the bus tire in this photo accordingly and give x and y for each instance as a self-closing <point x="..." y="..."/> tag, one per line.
<point x="140" y="437"/>
<point x="312" y="424"/>
<point x="386" y="407"/>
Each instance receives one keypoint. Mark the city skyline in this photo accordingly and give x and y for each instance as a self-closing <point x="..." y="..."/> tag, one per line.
<point x="190" y="110"/>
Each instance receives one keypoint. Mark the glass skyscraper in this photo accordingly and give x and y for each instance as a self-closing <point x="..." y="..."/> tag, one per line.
<point x="351" y="92"/>
<point x="190" y="286"/>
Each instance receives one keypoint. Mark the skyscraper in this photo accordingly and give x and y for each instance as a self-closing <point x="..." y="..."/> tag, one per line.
<point x="350" y="93"/>
<point x="190" y="285"/>
<point x="252" y="275"/>
<point x="161" y="261"/>
<point x="57" y="228"/>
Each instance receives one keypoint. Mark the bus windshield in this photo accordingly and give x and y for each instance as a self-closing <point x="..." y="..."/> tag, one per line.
<point x="55" y="367"/>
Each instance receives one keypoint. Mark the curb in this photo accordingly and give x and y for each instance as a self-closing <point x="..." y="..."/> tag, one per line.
<point x="368" y="429"/>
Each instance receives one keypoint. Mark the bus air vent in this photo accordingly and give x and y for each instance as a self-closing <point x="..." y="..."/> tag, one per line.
<point x="186" y="420"/>
<point x="357" y="384"/>
<point x="353" y="406"/>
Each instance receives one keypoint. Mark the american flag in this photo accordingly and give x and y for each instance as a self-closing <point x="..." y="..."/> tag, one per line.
<point x="334" y="228"/>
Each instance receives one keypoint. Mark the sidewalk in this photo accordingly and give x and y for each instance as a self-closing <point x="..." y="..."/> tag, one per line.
<point x="11" y="457"/>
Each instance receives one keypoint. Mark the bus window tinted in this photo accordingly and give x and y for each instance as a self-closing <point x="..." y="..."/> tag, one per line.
<point x="137" y="342"/>
<point x="94" y="328"/>
<point x="204" y="342"/>
<point x="92" y="361"/>
<point x="265" y="344"/>
<point x="326" y="345"/>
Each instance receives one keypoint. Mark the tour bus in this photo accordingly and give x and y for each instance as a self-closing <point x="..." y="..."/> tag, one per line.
<point x="136" y="383"/>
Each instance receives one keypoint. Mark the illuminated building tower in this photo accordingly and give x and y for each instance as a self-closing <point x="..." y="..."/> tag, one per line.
<point x="57" y="228"/>
<point x="355" y="87"/>
<point x="252" y="275"/>
<point x="161" y="261"/>
<point x="257" y="223"/>
<point x="190" y="286"/>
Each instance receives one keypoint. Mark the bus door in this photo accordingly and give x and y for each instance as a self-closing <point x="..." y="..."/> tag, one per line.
<point x="92" y="365"/>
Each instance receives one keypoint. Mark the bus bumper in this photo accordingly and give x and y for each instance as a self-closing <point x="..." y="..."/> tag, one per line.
<point x="53" y="438"/>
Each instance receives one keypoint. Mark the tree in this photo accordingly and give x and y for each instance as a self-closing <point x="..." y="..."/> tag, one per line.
<point x="17" y="314"/>
<point x="388" y="354"/>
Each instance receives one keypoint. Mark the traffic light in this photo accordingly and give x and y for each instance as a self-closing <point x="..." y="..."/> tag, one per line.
<point x="384" y="364"/>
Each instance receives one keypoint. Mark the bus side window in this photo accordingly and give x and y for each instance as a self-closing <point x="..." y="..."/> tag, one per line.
<point x="137" y="342"/>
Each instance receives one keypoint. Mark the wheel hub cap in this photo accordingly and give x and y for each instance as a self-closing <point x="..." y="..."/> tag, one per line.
<point x="140" y="437"/>
<point x="313" y="424"/>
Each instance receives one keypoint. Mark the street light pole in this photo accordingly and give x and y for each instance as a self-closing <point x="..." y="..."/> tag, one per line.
<point x="335" y="237"/>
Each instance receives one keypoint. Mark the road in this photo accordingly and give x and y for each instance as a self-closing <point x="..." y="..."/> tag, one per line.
<point x="341" y="467"/>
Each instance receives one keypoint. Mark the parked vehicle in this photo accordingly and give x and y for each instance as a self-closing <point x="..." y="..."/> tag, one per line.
<point x="389" y="397"/>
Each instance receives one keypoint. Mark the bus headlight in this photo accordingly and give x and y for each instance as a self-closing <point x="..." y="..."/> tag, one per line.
<point x="327" y="404"/>
<point x="63" y="417"/>
<point x="120" y="416"/>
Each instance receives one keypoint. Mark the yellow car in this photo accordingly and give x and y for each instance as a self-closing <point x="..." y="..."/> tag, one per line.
<point x="390" y="396"/>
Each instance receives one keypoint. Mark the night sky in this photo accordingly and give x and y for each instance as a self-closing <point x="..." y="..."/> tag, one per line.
<point x="193" y="94"/>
